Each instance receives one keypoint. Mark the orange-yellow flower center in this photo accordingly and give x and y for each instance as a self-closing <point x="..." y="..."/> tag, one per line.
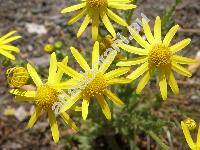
<point x="159" y="55"/>
<point x="46" y="96"/>
<point x="96" y="4"/>
<point x="96" y="86"/>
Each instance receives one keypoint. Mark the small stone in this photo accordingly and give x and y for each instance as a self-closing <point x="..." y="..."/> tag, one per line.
<point x="20" y="113"/>
<point x="194" y="97"/>
<point x="36" y="28"/>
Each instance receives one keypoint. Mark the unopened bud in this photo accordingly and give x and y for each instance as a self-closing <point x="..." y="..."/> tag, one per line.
<point x="17" y="76"/>
<point x="190" y="123"/>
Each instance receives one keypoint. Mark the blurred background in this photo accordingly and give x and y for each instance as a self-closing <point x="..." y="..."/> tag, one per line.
<point x="145" y="123"/>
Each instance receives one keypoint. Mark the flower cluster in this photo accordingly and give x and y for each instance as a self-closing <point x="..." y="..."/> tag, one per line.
<point x="94" y="82"/>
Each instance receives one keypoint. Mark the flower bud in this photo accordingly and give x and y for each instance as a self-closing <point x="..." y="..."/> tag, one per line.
<point x="48" y="48"/>
<point x="190" y="123"/>
<point x="17" y="76"/>
<point x="58" y="45"/>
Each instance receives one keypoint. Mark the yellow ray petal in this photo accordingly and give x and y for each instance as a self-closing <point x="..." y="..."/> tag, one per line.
<point x="180" y="45"/>
<point x="7" y="35"/>
<point x="157" y="30"/>
<point x="132" y="62"/>
<point x="183" y="60"/>
<point x="95" y="26"/>
<point x="54" y="126"/>
<point x="117" y="72"/>
<point x="7" y="54"/>
<point x="69" y="121"/>
<point x="114" y="98"/>
<point x="23" y="99"/>
<point x="108" y="24"/>
<point x="73" y="8"/>
<point x="79" y="58"/>
<point x="147" y="31"/>
<point x="32" y="72"/>
<point x="187" y="135"/>
<point x="85" y="105"/>
<point x="65" y="85"/>
<point x="172" y="83"/>
<point x="95" y="56"/>
<point x="6" y="41"/>
<point x="162" y="84"/>
<point x="76" y="108"/>
<point x="83" y="25"/>
<point x="119" y="81"/>
<point x="138" y="38"/>
<point x="77" y="17"/>
<point x="139" y="71"/>
<point x="59" y="73"/>
<point x="116" y="18"/>
<point x="134" y="50"/>
<point x="104" y="106"/>
<point x="143" y="82"/>
<point x="52" y="68"/>
<point x="107" y="62"/>
<point x="181" y="70"/>
<point x="121" y="6"/>
<point x="23" y="93"/>
<point x="34" y="117"/>
<point x="170" y="35"/>
<point x="198" y="137"/>
<point x="70" y="102"/>
<point x="69" y="71"/>
<point x="9" y="48"/>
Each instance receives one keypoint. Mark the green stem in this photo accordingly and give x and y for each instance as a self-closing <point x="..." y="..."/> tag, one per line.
<point x="157" y="139"/>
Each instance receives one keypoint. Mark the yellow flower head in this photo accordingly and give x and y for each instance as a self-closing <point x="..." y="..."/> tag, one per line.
<point x="45" y="96"/>
<point x="94" y="82"/>
<point x="93" y="10"/>
<point x="6" y="48"/>
<point x="159" y="55"/>
<point x="17" y="76"/>
<point x="193" y="145"/>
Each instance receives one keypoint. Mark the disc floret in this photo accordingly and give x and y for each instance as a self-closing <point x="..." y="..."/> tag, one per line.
<point x="96" y="4"/>
<point x="46" y="96"/>
<point x="96" y="86"/>
<point x="159" y="55"/>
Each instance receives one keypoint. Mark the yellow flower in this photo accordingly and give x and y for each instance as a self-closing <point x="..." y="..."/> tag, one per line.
<point x="95" y="81"/>
<point x="6" y="48"/>
<point x="93" y="10"/>
<point x="45" y="96"/>
<point x="193" y="145"/>
<point x="159" y="55"/>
